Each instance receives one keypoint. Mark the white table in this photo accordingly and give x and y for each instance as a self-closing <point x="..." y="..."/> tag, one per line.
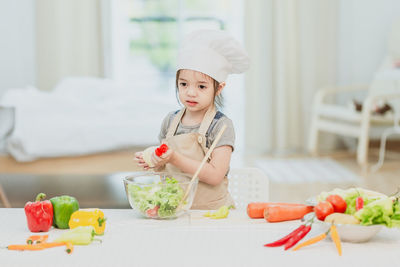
<point x="193" y="241"/>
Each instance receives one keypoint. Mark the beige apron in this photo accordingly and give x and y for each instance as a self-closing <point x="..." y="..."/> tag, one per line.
<point x="193" y="145"/>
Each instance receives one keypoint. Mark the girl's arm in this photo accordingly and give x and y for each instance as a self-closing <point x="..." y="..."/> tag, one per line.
<point x="213" y="172"/>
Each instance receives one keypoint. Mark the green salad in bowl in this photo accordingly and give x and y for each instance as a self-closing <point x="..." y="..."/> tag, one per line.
<point x="159" y="195"/>
<point x="358" y="213"/>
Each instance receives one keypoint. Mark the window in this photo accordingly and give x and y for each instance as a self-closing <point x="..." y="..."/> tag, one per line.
<point x="144" y="38"/>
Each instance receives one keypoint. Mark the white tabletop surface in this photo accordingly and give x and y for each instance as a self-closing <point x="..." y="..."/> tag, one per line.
<point x="193" y="241"/>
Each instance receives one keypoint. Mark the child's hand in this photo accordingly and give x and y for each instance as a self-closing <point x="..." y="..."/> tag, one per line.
<point x="140" y="161"/>
<point x="163" y="159"/>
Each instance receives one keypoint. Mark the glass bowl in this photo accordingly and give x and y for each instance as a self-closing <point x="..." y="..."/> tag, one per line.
<point x="159" y="195"/>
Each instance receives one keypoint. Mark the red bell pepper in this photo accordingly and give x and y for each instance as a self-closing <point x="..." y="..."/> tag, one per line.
<point x="39" y="214"/>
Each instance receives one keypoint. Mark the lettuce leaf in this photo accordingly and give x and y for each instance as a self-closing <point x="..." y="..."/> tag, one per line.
<point x="396" y="214"/>
<point x="376" y="212"/>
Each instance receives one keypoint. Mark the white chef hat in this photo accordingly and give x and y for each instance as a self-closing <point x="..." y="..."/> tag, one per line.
<point x="212" y="52"/>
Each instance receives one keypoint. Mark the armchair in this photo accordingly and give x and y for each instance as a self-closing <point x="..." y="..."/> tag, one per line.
<point x="341" y="120"/>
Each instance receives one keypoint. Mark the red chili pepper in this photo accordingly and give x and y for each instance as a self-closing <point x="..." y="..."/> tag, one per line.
<point x="296" y="238"/>
<point x="161" y="150"/>
<point x="39" y="214"/>
<point x="283" y="240"/>
<point x="359" y="203"/>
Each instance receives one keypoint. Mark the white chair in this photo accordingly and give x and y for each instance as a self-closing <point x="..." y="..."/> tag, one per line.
<point x="248" y="185"/>
<point x="363" y="125"/>
<point x="389" y="131"/>
<point x="4" y="199"/>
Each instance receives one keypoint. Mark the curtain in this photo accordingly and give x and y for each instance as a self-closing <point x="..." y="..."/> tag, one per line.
<point x="292" y="45"/>
<point x="68" y="40"/>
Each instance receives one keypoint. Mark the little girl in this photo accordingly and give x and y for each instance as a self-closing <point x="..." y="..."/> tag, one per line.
<point x="204" y="62"/>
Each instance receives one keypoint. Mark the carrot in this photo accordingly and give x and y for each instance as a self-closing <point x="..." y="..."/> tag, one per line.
<point x="279" y="213"/>
<point x="310" y="241"/>
<point x="335" y="237"/>
<point x="256" y="209"/>
<point x="25" y="247"/>
<point x="37" y="238"/>
<point x="53" y="244"/>
<point x="70" y="247"/>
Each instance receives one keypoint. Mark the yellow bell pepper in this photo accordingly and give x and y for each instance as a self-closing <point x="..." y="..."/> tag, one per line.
<point x="89" y="217"/>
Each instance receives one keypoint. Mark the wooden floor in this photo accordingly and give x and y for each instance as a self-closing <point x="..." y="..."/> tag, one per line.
<point x="102" y="163"/>
<point x="386" y="180"/>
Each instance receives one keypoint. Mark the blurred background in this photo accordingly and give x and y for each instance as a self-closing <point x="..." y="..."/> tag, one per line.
<point x="85" y="84"/>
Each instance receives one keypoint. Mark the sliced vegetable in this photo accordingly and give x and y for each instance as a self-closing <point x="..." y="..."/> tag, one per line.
<point x="70" y="247"/>
<point x="279" y="213"/>
<point x="359" y="203"/>
<point x="35" y="239"/>
<point x="152" y="213"/>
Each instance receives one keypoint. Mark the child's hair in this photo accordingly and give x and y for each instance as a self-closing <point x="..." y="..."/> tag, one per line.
<point x="218" y="99"/>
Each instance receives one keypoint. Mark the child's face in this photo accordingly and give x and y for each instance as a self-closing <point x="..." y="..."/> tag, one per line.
<point x="196" y="90"/>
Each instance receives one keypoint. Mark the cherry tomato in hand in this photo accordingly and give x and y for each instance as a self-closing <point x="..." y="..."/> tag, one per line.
<point x="323" y="209"/>
<point x="338" y="203"/>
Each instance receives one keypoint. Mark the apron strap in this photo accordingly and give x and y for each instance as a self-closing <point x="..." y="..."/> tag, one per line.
<point x="205" y="124"/>
<point x="175" y="122"/>
<point x="207" y="120"/>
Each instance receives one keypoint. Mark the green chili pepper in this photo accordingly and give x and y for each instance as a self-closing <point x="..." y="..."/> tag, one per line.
<point x="81" y="235"/>
<point x="63" y="207"/>
<point x="221" y="213"/>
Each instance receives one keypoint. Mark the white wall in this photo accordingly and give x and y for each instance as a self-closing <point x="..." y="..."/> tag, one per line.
<point x="17" y="43"/>
<point x="363" y="30"/>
